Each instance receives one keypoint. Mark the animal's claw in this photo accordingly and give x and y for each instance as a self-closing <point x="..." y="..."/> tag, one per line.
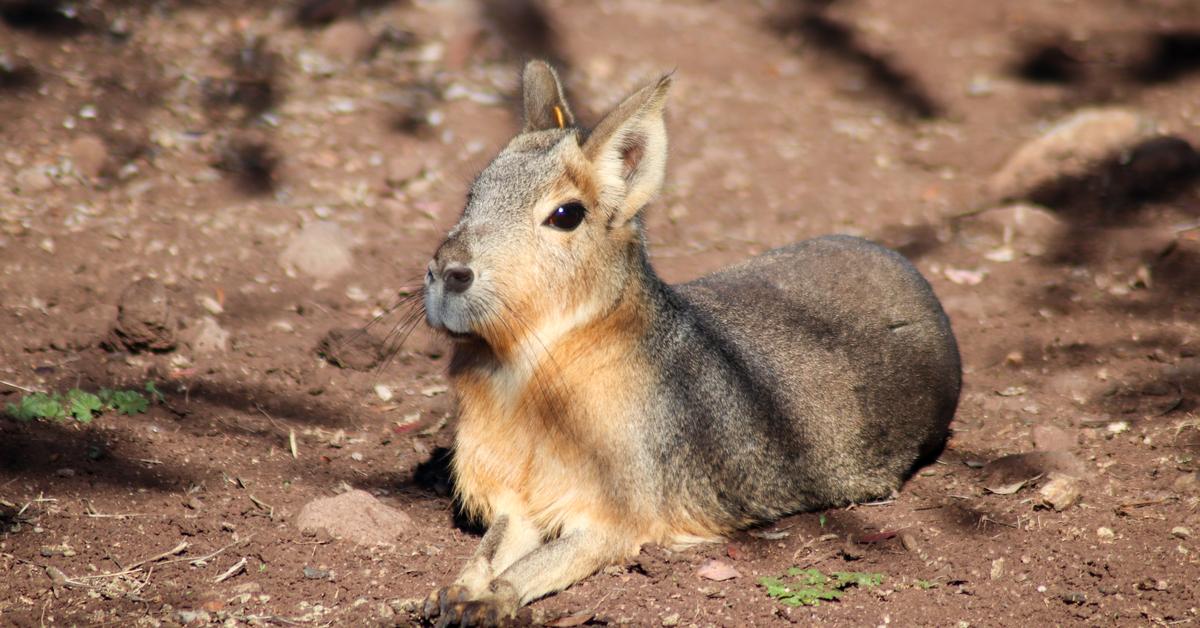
<point x="440" y="601"/>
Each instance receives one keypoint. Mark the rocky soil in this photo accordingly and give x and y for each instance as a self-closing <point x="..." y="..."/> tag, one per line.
<point x="235" y="201"/>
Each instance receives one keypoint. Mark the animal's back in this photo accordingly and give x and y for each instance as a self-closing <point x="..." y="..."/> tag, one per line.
<point x="825" y="370"/>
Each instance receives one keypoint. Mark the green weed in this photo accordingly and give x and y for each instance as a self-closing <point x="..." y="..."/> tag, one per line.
<point x="81" y="405"/>
<point x="809" y="587"/>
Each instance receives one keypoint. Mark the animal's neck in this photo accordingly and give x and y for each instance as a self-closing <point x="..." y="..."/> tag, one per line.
<point x="642" y="300"/>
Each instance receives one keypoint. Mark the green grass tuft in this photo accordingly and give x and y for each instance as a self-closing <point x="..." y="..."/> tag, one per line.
<point x="810" y="587"/>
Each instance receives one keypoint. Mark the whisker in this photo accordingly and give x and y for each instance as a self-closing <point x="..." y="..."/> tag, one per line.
<point x="396" y="338"/>
<point x="405" y="299"/>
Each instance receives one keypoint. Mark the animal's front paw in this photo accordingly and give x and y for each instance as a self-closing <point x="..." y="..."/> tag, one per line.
<point x="485" y="613"/>
<point x="497" y="607"/>
<point x="440" y="601"/>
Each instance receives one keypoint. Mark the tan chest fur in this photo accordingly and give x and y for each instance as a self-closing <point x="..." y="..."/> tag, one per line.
<point x="555" y="436"/>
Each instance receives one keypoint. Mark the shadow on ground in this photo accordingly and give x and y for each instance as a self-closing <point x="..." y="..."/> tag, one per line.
<point x="845" y="52"/>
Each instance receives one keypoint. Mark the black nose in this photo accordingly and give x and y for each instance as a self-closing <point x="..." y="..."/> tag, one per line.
<point x="458" y="278"/>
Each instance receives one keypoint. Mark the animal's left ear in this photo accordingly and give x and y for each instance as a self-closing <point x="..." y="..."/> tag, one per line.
<point x="545" y="106"/>
<point x="628" y="150"/>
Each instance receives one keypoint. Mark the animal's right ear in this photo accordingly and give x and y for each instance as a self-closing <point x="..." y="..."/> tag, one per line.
<point x="545" y="105"/>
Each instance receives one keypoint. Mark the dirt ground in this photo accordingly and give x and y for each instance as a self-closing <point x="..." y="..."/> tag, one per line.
<point x="219" y="150"/>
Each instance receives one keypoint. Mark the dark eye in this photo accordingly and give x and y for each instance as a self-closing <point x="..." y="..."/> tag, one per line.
<point x="567" y="217"/>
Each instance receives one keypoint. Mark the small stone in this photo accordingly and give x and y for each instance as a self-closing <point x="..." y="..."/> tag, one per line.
<point x="208" y="337"/>
<point x="1050" y="438"/>
<point x="312" y="573"/>
<point x="383" y="392"/>
<point x="321" y="250"/>
<point x="404" y="167"/>
<point x="1187" y="483"/>
<point x="1019" y="227"/>
<point x="355" y="515"/>
<point x="980" y="85"/>
<point x="1074" y="597"/>
<point x="89" y="154"/>
<point x="200" y="618"/>
<point x="145" y="318"/>
<point x="346" y="41"/>
<point x="964" y="276"/>
<point x="1060" y="492"/>
<point x="997" y="571"/>
<point x="357" y="294"/>
<point x="1070" y="148"/>
<point x="33" y="180"/>
<point x="1105" y="534"/>
<point x="211" y="305"/>
<point x="671" y="620"/>
<point x="1181" y="532"/>
<point x="1152" y="584"/>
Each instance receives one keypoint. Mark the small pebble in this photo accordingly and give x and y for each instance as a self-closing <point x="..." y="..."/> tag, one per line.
<point x="346" y="41"/>
<point x="33" y="180"/>
<point x="312" y="573"/>
<point x="1074" y="597"/>
<point x="211" y="305"/>
<point x="89" y="154"/>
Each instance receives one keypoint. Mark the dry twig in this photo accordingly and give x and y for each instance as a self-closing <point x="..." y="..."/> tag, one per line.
<point x="229" y="573"/>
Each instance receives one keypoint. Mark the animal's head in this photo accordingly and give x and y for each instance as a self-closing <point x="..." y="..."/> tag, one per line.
<point x="551" y="229"/>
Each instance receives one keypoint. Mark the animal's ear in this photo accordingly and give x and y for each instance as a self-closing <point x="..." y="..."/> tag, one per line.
<point x="628" y="150"/>
<point x="545" y="106"/>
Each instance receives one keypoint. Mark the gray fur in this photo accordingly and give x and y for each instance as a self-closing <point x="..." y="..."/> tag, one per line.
<point x="812" y="376"/>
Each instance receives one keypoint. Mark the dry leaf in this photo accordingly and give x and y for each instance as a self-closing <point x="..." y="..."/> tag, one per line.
<point x="574" y="619"/>
<point x="876" y="537"/>
<point x="1006" y="489"/>
<point x="717" y="570"/>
